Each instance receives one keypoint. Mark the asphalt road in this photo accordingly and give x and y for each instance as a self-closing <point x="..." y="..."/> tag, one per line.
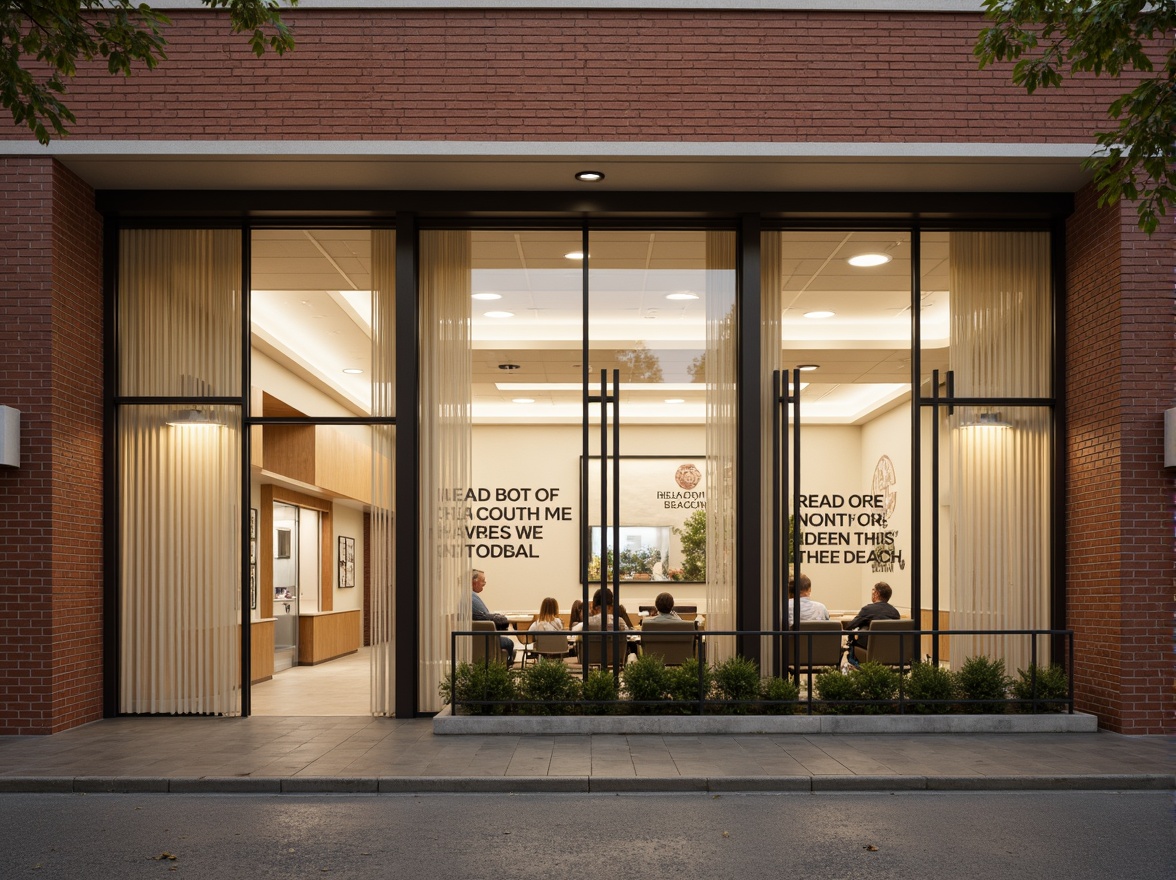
<point x="651" y="836"/>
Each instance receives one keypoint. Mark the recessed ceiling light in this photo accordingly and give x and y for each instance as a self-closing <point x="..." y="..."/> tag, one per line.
<point x="867" y="260"/>
<point x="808" y="368"/>
<point x="523" y="400"/>
<point x="682" y="294"/>
<point x="819" y="314"/>
<point x="499" y="314"/>
<point x="589" y="176"/>
<point x="675" y="400"/>
<point x="354" y="371"/>
<point x="508" y="366"/>
<point x="486" y="296"/>
<point x="574" y="255"/>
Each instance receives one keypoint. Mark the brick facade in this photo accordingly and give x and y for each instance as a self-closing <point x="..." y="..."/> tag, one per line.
<point x="1120" y="354"/>
<point x="578" y="75"/>
<point x="51" y="506"/>
<point x="586" y="75"/>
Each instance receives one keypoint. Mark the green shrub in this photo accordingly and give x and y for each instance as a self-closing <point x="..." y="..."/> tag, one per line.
<point x="878" y="684"/>
<point x="599" y="687"/>
<point x="552" y="682"/>
<point x="928" y="681"/>
<point x="983" y="679"/>
<point x="1051" y="684"/>
<point x="832" y="685"/>
<point x="645" y="680"/>
<point x="490" y="682"/>
<point x="737" y="680"/>
<point x="682" y="685"/>
<point x="780" y="695"/>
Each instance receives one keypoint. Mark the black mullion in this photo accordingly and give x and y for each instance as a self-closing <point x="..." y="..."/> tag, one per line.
<point x="406" y="468"/>
<point x="112" y="495"/>
<point x="916" y="234"/>
<point x="246" y="447"/>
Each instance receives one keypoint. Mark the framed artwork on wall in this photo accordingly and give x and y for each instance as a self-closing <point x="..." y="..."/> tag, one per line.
<point x="253" y="557"/>
<point x="346" y="562"/>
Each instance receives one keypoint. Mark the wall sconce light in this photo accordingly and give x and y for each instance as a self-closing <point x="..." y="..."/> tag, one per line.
<point x="986" y="420"/>
<point x="192" y="418"/>
<point x="9" y="437"/>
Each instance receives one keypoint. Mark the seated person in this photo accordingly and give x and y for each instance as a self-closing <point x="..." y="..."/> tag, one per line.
<point x="576" y="616"/>
<point x="809" y="610"/>
<point x="664" y="603"/>
<point x="481" y="612"/>
<point x="878" y="609"/>
<point x="548" y="619"/>
<point x="602" y="608"/>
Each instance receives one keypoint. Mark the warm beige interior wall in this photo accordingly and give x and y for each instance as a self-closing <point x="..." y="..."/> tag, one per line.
<point x="889" y="435"/>
<point x="272" y="377"/>
<point x="547" y="457"/>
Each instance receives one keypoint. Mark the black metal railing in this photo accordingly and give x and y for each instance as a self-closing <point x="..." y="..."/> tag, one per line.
<point x="789" y="642"/>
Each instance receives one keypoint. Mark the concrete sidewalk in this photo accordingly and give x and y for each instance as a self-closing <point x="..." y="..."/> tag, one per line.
<point x="363" y="754"/>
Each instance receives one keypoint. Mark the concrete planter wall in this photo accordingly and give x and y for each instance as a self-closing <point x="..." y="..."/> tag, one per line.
<point x="446" y="723"/>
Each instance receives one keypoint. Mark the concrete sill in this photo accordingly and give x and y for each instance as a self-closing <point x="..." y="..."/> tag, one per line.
<point x="445" y="724"/>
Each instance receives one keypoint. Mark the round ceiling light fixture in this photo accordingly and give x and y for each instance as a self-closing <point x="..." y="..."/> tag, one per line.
<point x="865" y="261"/>
<point x="589" y="176"/>
<point x="818" y="315"/>
<point x="808" y="368"/>
<point x="675" y="400"/>
<point x="485" y="296"/>
<point x="353" y="371"/>
<point x="682" y="295"/>
<point x="498" y="314"/>
<point x="574" y="255"/>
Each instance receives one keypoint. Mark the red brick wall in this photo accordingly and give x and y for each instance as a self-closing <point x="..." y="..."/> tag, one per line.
<point x="51" y="506"/>
<point x="493" y="74"/>
<point x="1120" y="354"/>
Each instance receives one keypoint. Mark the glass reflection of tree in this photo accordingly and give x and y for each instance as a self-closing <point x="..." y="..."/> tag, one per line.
<point x="639" y="365"/>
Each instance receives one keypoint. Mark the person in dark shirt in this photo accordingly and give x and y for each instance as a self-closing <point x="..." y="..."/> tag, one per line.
<point x="878" y="609"/>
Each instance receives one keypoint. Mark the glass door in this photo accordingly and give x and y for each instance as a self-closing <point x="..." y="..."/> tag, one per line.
<point x="842" y="426"/>
<point x="593" y="346"/>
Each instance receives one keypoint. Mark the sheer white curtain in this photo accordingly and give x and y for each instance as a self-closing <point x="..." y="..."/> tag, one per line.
<point x="771" y="358"/>
<point x="1000" y="461"/>
<point x="179" y="303"/>
<point x="446" y="450"/>
<point x="382" y="613"/>
<point x="721" y="436"/>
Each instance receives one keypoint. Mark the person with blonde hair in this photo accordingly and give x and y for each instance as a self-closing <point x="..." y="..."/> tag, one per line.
<point x="548" y="619"/>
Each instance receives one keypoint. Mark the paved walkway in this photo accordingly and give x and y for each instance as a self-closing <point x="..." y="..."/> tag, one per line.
<point x="362" y="754"/>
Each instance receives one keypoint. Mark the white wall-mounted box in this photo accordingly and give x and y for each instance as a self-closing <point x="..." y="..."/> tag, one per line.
<point x="9" y="437"/>
<point x="1170" y="437"/>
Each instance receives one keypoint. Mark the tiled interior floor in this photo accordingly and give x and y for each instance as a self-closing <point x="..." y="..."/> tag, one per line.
<point x="338" y="687"/>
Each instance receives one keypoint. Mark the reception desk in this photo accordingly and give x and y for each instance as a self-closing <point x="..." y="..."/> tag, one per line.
<point x="327" y="635"/>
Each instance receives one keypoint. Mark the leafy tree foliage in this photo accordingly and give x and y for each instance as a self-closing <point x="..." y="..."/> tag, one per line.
<point x="1052" y="39"/>
<point x="42" y="41"/>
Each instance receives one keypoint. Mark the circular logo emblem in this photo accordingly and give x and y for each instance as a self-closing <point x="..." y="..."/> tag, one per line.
<point x="884" y="480"/>
<point x="688" y="476"/>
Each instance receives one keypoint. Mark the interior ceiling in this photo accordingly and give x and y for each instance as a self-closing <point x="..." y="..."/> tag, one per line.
<point x="311" y="313"/>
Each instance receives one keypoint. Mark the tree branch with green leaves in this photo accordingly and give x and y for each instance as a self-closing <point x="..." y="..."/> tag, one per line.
<point x="42" y="42"/>
<point x="1050" y="40"/>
